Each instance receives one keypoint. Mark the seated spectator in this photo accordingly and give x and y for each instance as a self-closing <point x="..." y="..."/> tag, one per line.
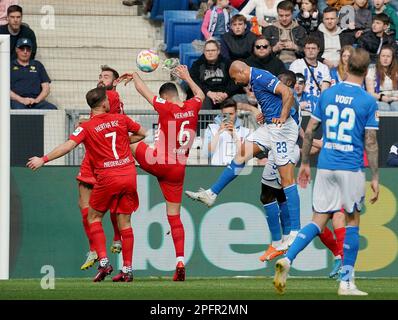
<point x="381" y="6"/>
<point x="224" y="137"/>
<point x="236" y="44"/>
<point x="217" y="19"/>
<point x="373" y="40"/>
<point x="17" y="30"/>
<point x="4" y="4"/>
<point x="309" y="17"/>
<point x="363" y="17"/>
<point x="262" y="57"/>
<point x="392" y="159"/>
<point x="286" y="35"/>
<point x="265" y="11"/>
<point x="317" y="76"/>
<point x="338" y="4"/>
<point x="30" y="84"/>
<point x="339" y="73"/>
<point x="306" y="101"/>
<point x="211" y="73"/>
<point x="382" y="80"/>
<point x="331" y="38"/>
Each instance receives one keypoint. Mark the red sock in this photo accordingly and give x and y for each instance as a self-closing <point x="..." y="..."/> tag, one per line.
<point x="329" y="241"/>
<point x="178" y="234"/>
<point x="86" y="226"/>
<point x="116" y="233"/>
<point x="340" y="235"/>
<point x="127" y="246"/>
<point x="99" y="240"/>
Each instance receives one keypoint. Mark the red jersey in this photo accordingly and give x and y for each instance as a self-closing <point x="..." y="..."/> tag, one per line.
<point x="106" y="139"/>
<point x="176" y="129"/>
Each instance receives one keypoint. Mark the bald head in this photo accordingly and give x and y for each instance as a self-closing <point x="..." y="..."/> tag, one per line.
<point x="239" y="73"/>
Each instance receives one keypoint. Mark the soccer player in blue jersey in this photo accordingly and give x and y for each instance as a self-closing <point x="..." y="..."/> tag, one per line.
<point x="349" y="121"/>
<point x="279" y="134"/>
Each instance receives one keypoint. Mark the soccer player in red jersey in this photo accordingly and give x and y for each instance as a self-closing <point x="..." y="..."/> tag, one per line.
<point x="176" y="132"/>
<point x="106" y="137"/>
<point x="85" y="177"/>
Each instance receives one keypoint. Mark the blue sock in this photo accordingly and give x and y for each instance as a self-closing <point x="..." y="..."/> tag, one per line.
<point x="351" y="247"/>
<point x="293" y="203"/>
<point x="272" y="214"/>
<point x="229" y="174"/>
<point x="285" y="218"/>
<point x="304" y="237"/>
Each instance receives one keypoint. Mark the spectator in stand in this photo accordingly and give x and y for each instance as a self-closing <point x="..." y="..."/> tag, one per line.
<point x="224" y="137"/>
<point x="381" y="6"/>
<point x="17" y="30"/>
<point x="317" y="76"/>
<point x="265" y="11"/>
<point x="286" y="35"/>
<point x="4" y="4"/>
<point x="236" y="44"/>
<point x="262" y="57"/>
<point x="211" y="73"/>
<point x="392" y="159"/>
<point x="361" y="21"/>
<point x="382" y="80"/>
<point x="374" y="39"/>
<point x="331" y="38"/>
<point x="308" y="16"/>
<point x="217" y="19"/>
<point x="30" y="84"/>
<point x="339" y="73"/>
<point x="306" y="101"/>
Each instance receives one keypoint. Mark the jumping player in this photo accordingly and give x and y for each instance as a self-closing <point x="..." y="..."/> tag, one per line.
<point x="176" y="132"/>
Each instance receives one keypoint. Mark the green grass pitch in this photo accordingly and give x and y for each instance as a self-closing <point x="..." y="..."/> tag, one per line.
<point x="194" y="288"/>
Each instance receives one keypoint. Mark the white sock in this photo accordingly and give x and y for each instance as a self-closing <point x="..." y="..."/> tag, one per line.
<point x="103" y="262"/>
<point x="211" y="193"/>
<point x="127" y="269"/>
<point x="285" y="237"/>
<point x="180" y="259"/>
<point x="276" y="244"/>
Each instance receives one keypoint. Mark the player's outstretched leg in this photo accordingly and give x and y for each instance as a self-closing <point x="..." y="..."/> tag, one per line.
<point x="178" y="235"/>
<point x="104" y="268"/>
<point x="126" y="274"/>
<point x="116" y="246"/>
<point x="330" y="242"/>
<point x="92" y="256"/>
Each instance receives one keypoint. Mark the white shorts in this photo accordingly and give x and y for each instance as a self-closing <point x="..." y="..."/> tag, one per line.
<point x="283" y="141"/>
<point x="271" y="176"/>
<point x="334" y="189"/>
<point x="261" y="137"/>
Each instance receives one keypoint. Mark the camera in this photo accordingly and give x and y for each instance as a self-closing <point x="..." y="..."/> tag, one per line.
<point x="226" y="117"/>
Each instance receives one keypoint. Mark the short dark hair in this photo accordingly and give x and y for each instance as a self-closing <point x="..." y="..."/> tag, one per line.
<point x="238" y="17"/>
<point x="108" y="68"/>
<point x="14" y="8"/>
<point x="382" y="17"/>
<point x="95" y="96"/>
<point x="168" y="87"/>
<point x="229" y="102"/>
<point x="215" y="42"/>
<point x="286" y="5"/>
<point x="312" y="40"/>
<point x="286" y="76"/>
<point x="358" y="62"/>
<point x="329" y="9"/>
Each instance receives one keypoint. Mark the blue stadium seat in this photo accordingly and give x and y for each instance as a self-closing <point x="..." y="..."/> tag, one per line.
<point x="182" y="32"/>
<point x="159" y="6"/>
<point x="188" y="54"/>
<point x="182" y="15"/>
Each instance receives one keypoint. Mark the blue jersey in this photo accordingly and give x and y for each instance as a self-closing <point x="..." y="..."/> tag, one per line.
<point x="263" y="84"/>
<point x="345" y="111"/>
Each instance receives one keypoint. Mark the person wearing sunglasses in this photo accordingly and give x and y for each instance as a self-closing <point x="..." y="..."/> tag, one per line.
<point x="262" y="57"/>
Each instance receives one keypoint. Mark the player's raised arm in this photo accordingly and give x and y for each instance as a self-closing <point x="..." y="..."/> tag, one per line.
<point x="139" y="84"/>
<point x="183" y="73"/>
<point x="372" y="151"/>
<point x="35" y="163"/>
<point x="287" y="102"/>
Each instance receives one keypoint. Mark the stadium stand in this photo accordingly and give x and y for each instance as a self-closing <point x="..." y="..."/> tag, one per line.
<point x="182" y="31"/>
<point x="159" y="6"/>
<point x="188" y="54"/>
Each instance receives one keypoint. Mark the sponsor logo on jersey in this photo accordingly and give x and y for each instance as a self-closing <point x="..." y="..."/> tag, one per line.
<point x="377" y="116"/>
<point x="77" y="131"/>
<point x="160" y="100"/>
<point x="271" y="83"/>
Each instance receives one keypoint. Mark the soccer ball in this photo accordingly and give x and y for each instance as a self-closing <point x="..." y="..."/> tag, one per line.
<point x="148" y="60"/>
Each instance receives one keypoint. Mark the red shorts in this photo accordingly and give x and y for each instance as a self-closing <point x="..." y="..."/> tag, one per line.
<point x="115" y="193"/>
<point x="86" y="173"/>
<point x="170" y="176"/>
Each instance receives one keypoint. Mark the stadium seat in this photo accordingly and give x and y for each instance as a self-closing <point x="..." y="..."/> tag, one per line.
<point x="181" y="15"/>
<point x="182" y="32"/>
<point x="188" y="54"/>
<point x="159" y="6"/>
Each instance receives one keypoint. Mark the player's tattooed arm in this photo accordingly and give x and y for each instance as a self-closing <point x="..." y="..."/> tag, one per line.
<point x="372" y="150"/>
<point x="287" y="102"/>
<point x="312" y="126"/>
